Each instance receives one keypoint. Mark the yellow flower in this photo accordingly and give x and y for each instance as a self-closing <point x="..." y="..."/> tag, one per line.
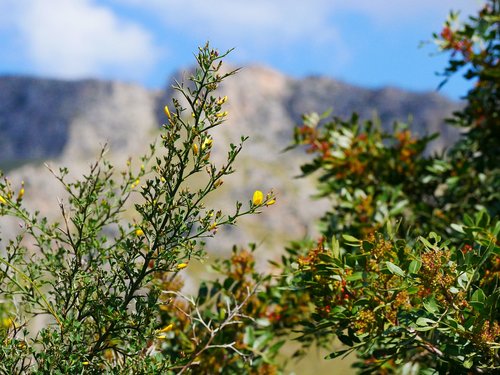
<point x="135" y="183"/>
<point x="85" y="363"/>
<point x="195" y="149"/>
<point x="6" y="323"/>
<point x="271" y="202"/>
<point x="139" y="232"/>
<point x="257" y="197"/>
<point x="21" y="192"/>
<point x="166" y="328"/>
<point x="167" y="112"/>
<point x="180" y="266"/>
<point x="221" y="114"/>
<point x="206" y="143"/>
<point x="222" y="100"/>
<point x="2" y="200"/>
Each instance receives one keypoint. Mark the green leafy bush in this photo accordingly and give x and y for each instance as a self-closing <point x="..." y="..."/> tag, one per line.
<point x="407" y="274"/>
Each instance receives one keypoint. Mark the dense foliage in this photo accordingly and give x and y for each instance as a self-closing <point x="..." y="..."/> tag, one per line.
<point x="407" y="274"/>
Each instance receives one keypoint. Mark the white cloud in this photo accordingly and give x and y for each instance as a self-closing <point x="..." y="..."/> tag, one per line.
<point x="277" y="19"/>
<point x="77" y="38"/>
<point x="257" y="28"/>
<point x="291" y="19"/>
<point x="267" y="27"/>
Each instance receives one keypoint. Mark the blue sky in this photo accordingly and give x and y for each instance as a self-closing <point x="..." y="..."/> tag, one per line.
<point x="365" y="42"/>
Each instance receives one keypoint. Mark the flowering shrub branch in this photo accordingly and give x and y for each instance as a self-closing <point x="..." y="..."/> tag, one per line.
<point x="92" y="277"/>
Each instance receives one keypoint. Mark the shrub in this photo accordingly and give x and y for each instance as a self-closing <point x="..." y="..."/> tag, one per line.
<point x="407" y="273"/>
<point x="94" y="277"/>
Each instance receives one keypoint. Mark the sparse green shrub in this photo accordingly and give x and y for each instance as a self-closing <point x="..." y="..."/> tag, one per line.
<point x="93" y="278"/>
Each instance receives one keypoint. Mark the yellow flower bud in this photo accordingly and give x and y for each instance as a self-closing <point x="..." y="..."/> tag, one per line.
<point x="195" y="149"/>
<point x="139" y="232"/>
<point x="271" y="202"/>
<point x="135" y="183"/>
<point x="2" y="200"/>
<point x="167" y="112"/>
<point x="206" y="143"/>
<point x="164" y="308"/>
<point x="221" y="114"/>
<point x="257" y="197"/>
<point x="181" y="266"/>
<point x="6" y="323"/>
<point x="20" y="195"/>
<point x="85" y="363"/>
<point x="166" y="328"/>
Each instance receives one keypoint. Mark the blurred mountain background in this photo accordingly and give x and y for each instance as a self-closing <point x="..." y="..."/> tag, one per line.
<point x="66" y="123"/>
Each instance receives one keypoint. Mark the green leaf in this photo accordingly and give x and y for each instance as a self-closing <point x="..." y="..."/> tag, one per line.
<point x="478" y="296"/>
<point x="398" y="208"/>
<point x="423" y="329"/>
<point x="346" y="340"/>
<point x="261" y="341"/>
<point x="412" y="290"/>
<point x="355" y="276"/>
<point x="273" y="350"/>
<point x="468" y="363"/>
<point x="350" y="239"/>
<point x="463" y="280"/>
<point x="425" y="242"/>
<point x="458" y="228"/>
<point x="414" y="266"/>
<point x="431" y="305"/>
<point x="249" y="337"/>
<point x="335" y="248"/>
<point x="337" y="353"/>
<point x="395" y="269"/>
<point x="468" y="221"/>
<point x="424" y="321"/>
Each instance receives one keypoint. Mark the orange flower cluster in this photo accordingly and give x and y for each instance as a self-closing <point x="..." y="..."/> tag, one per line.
<point x="457" y="43"/>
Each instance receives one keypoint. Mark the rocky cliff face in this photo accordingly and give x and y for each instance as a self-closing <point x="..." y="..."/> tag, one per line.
<point x="68" y="122"/>
<point x="43" y="118"/>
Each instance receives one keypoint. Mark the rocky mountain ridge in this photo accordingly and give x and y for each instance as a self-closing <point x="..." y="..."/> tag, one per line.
<point x="67" y="122"/>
